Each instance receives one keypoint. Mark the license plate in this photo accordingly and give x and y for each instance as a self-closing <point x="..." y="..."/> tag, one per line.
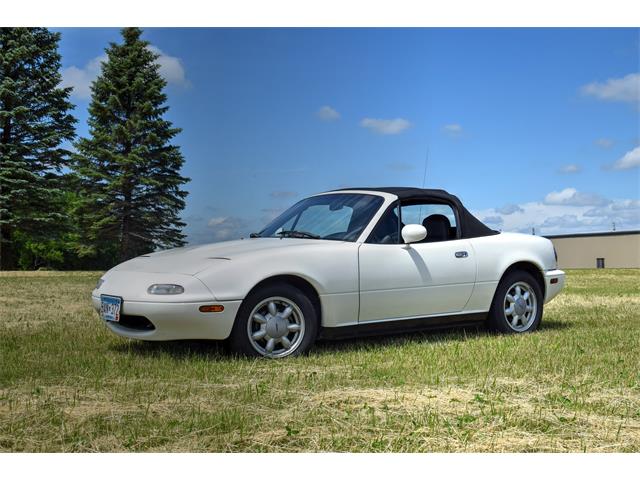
<point x="110" y="308"/>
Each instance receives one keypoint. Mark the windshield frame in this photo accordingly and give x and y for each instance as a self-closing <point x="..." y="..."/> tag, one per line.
<point x="373" y="217"/>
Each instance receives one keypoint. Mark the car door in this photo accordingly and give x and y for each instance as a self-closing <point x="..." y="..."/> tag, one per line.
<point x="434" y="277"/>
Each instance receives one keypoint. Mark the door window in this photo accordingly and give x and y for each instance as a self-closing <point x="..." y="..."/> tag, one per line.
<point x="439" y="219"/>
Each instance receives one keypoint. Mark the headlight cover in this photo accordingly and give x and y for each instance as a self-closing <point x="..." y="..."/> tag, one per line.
<point x="165" y="289"/>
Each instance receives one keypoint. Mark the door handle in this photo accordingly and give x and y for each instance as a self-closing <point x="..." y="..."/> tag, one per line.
<point x="462" y="254"/>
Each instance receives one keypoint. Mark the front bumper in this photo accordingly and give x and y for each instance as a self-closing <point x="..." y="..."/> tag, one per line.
<point x="553" y="281"/>
<point x="175" y="321"/>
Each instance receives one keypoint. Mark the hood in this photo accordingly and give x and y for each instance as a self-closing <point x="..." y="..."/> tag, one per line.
<point x="196" y="258"/>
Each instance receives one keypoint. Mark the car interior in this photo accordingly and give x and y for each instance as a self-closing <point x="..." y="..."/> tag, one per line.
<point x="388" y="229"/>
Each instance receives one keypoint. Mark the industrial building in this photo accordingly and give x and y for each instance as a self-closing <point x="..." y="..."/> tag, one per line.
<point x="598" y="250"/>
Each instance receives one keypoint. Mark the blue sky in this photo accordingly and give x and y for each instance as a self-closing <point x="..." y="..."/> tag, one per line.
<point x="529" y="127"/>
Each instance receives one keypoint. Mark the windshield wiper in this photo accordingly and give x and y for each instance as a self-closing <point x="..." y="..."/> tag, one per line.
<point x="297" y="234"/>
<point x="254" y="235"/>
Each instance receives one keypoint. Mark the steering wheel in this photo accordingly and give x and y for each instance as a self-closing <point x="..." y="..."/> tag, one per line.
<point x="346" y="236"/>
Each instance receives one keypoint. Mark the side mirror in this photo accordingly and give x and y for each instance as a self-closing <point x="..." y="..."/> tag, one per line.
<point x="413" y="233"/>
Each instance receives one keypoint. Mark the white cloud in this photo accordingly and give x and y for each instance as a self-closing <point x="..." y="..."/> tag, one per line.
<point x="567" y="221"/>
<point x="80" y="79"/>
<point x="625" y="89"/>
<point x="630" y="159"/>
<point x="385" y="126"/>
<point x="327" y="113"/>
<point x="171" y="68"/>
<point x="625" y="213"/>
<point x="626" y="205"/>
<point x="509" y="209"/>
<point x="453" y="129"/>
<point x="493" y="220"/>
<point x="227" y="228"/>
<point x="561" y="218"/>
<point x="571" y="168"/>
<point x="604" y="142"/>
<point x="570" y="196"/>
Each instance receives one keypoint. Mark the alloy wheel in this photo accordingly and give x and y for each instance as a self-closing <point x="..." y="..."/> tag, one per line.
<point x="276" y="327"/>
<point x="520" y="306"/>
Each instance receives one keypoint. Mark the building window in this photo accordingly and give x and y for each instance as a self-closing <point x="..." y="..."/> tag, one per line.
<point x="599" y="262"/>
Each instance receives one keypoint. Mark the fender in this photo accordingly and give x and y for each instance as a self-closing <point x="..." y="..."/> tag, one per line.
<point x="497" y="254"/>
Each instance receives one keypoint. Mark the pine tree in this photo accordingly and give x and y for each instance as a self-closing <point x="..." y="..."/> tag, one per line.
<point x="34" y="123"/>
<point x="129" y="170"/>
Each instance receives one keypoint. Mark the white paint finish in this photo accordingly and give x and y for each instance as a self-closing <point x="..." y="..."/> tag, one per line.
<point x="553" y="289"/>
<point x="132" y="285"/>
<point x="496" y="253"/>
<point x="329" y="266"/>
<point x="339" y="309"/>
<point x="413" y="233"/>
<point x="423" y="279"/>
<point x="176" y="321"/>
<point x="355" y="281"/>
<point x="194" y="259"/>
<point x="481" y="297"/>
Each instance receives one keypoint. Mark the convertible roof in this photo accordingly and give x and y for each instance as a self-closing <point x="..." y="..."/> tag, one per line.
<point x="470" y="226"/>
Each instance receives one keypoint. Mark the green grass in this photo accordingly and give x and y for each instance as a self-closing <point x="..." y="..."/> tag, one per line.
<point x="68" y="384"/>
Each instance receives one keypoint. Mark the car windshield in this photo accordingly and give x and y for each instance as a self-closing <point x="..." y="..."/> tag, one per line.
<point x="335" y="216"/>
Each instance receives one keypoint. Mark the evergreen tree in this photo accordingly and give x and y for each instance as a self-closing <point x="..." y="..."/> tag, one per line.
<point x="34" y="122"/>
<point x="129" y="170"/>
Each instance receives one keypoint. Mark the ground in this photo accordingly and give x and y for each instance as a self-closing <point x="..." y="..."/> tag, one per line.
<point x="68" y="384"/>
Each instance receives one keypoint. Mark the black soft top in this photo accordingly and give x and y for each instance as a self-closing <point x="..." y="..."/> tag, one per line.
<point x="470" y="226"/>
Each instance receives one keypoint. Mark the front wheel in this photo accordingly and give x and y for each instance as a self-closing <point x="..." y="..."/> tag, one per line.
<point x="274" y="322"/>
<point x="517" y="305"/>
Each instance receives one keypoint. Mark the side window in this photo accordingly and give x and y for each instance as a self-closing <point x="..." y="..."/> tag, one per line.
<point x="439" y="219"/>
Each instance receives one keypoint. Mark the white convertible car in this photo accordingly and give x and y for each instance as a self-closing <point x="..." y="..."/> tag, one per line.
<point x="340" y="263"/>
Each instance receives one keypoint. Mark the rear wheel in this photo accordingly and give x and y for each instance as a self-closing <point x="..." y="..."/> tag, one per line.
<point x="517" y="305"/>
<point x="275" y="322"/>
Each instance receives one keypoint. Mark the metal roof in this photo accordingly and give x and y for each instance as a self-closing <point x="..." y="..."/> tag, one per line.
<point x="594" y="234"/>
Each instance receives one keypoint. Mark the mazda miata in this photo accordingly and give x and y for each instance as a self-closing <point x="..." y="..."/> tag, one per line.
<point x="341" y="263"/>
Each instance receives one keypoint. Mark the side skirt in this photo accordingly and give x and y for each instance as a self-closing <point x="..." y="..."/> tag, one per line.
<point x="402" y="326"/>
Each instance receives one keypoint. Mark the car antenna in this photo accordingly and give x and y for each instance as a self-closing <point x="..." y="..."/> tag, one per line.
<point x="426" y="161"/>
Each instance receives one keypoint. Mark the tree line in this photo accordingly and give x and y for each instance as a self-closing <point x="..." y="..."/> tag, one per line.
<point x="85" y="203"/>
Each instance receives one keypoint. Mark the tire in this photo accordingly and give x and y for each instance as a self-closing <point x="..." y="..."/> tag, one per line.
<point x="524" y="313"/>
<point x="274" y="322"/>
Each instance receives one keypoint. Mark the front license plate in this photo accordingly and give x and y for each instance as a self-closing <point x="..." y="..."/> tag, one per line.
<point x="110" y="308"/>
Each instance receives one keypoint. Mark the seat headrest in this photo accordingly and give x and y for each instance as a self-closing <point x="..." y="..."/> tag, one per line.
<point x="438" y="227"/>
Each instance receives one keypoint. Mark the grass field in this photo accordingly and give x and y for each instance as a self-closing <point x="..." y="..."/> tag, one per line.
<point x="68" y="384"/>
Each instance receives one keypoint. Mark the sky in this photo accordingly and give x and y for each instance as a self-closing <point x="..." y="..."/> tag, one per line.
<point x="531" y="128"/>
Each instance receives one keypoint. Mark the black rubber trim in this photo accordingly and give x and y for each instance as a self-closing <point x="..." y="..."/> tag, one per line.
<point x="403" y="326"/>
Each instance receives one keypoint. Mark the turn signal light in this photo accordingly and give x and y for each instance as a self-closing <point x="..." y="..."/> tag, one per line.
<point x="211" y="308"/>
<point x="553" y="280"/>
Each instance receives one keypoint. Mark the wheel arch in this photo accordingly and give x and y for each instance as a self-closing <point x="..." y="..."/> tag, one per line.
<point x="528" y="267"/>
<point x="296" y="281"/>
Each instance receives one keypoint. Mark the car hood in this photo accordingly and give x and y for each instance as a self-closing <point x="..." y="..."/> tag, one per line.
<point x="196" y="258"/>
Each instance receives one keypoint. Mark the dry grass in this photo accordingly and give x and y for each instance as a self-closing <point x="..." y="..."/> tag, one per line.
<point x="67" y="384"/>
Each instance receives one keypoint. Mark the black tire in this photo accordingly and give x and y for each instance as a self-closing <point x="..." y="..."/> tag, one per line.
<point x="499" y="320"/>
<point x="239" y="340"/>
